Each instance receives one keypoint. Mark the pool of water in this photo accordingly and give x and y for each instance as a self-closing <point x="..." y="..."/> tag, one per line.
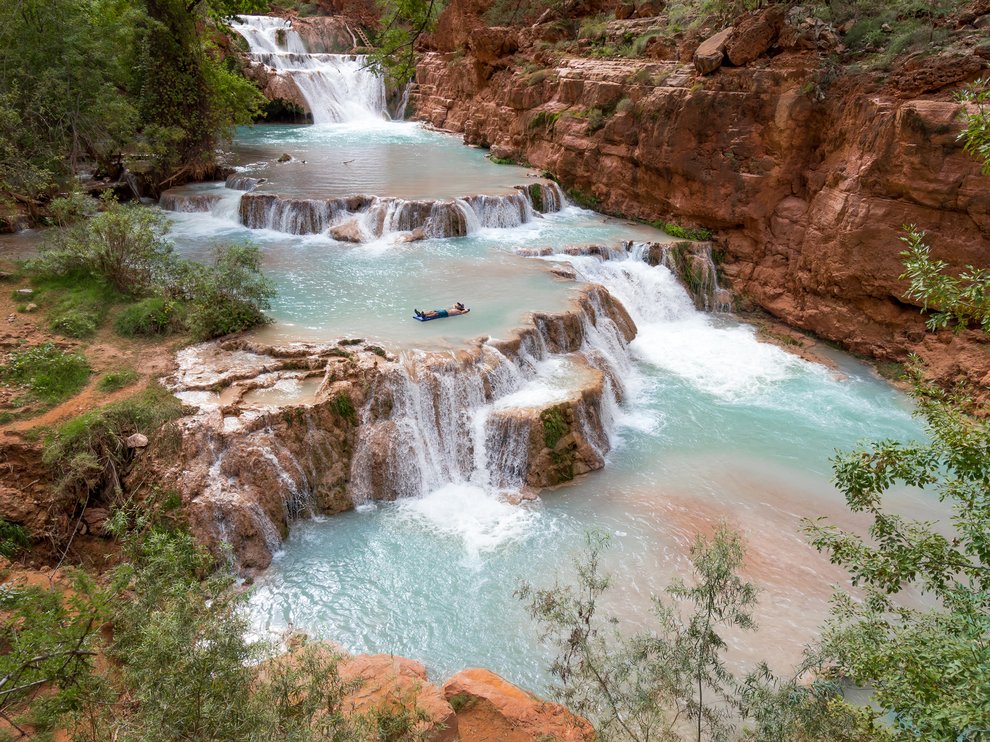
<point x="716" y="425"/>
<point x="373" y="157"/>
<point x="434" y="578"/>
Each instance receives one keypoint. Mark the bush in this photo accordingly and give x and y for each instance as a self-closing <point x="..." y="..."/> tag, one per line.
<point x="49" y="373"/>
<point x="229" y="296"/>
<point x="89" y="453"/>
<point x="124" y="246"/>
<point x="14" y="538"/>
<point x="148" y="318"/>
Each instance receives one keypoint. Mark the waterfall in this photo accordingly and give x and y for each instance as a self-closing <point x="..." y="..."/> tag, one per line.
<point x="362" y="218"/>
<point x="338" y="88"/>
<point x="474" y="419"/>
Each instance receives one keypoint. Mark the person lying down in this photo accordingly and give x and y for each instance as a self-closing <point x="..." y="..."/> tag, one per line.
<point x="458" y="308"/>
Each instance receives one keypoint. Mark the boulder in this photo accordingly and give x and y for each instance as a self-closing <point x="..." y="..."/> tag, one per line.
<point x="138" y="440"/>
<point x="349" y="231"/>
<point x="490" y="709"/>
<point x="754" y="35"/>
<point x="624" y="11"/>
<point x="390" y="685"/>
<point x="492" y="45"/>
<point x="708" y="57"/>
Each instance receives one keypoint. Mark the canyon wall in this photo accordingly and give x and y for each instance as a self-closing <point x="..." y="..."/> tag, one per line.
<point x="805" y="176"/>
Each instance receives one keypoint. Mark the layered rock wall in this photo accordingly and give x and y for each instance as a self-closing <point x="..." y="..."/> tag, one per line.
<point x="806" y="183"/>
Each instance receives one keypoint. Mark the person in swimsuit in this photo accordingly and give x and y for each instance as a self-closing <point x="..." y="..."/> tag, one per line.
<point x="458" y="308"/>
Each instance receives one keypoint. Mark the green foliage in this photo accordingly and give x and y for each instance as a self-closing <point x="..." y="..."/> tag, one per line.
<point x="696" y="234"/>
<point x="149" y="317"/>
<point x="634" y="687"/>
<point x="117" y="380"/>
<point x="950" y="300"/>
<point x="14" y="538"/>
<point x="48" y="373"/>
<point x="554" y="426"/>
<point x="64" y="65"/>
<point x="976" y="116"/>
<point x="125" y="251"/>
<point x="49" y="639"/>
<point x="125" y="246"/>
<point x="544" y="120"/>
<point x="343" y="406"/>
<point x="927" y="666"/>
<point x="879" y="31"/>
<point x="402" y="24"/>
<point x="230" y="295"/>
<point x="89" y="453"/>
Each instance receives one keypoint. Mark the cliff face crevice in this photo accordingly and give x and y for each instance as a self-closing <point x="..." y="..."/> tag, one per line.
<point x="806" y="183"/>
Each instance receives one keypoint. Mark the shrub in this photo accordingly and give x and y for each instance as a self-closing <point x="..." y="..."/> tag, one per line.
<point x="149" y="317"/>
<point x="596" y="119"/>
<point x="229" y="296"/>
<point x="49" y="373"/>
<point x="625" y="105"/>
<point x="89" y="453"/>
<point x="14" y="538"/>
<point x="116" y="380"/>
<point x="124" y="246"/>
<point x="74" y="324"/>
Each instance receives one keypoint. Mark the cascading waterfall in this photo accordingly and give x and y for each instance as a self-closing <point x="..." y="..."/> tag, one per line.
<point x="439" y="421"/>
<point x="338" y="88"/>
<point x="380" y="216"/>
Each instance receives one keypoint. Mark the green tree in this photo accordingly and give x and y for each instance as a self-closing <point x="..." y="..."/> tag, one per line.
<point x="402" y="23"/>
<point x="643" y="686"/>
<point x="976" y="117"/>
<point x="950" y="300"/>
<point x="930" y="667"/>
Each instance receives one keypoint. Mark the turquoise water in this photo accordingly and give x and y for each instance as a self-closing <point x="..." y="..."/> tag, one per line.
<point x="378" y="158"/>
<point x="716" y="426"/>
<point x="434" y="579"/>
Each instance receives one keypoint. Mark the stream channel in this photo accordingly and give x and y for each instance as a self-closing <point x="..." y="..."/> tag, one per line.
<point x="713" y="424"/>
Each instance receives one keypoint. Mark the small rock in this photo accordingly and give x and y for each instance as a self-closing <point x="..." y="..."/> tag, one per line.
<point x="417" y="234"/>
<point x="25" y="292"/>
<point x="95" y="519"/>
<point x="710" y="54"/>
<point x="138" y="440"/>
<point x="885" y="28"/>
<point x="32" y="307"/>
<point x="285" y="158"/>
<point x="12" y="318"/>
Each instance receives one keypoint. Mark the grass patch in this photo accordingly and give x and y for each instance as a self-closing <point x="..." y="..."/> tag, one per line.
<point x="460" y="701"/>
<point x="116" y="380"/>
<point x="89" y="453"/>
<point x="544" y="120"/>
<point x="47" y="373"/>
<point x="696" y="234"/>
<point x="378" y="351"/>
<point x="76" y="305"/>
<point x="149" y="318"/>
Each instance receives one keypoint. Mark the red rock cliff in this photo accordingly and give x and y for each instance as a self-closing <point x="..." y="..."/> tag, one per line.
<point x="806" y="180"/>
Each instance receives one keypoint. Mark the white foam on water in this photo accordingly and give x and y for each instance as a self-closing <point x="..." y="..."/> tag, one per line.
<point x="553" y="383"/>
<point x="713" y="356"/>
<point x="482" y="521"/>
